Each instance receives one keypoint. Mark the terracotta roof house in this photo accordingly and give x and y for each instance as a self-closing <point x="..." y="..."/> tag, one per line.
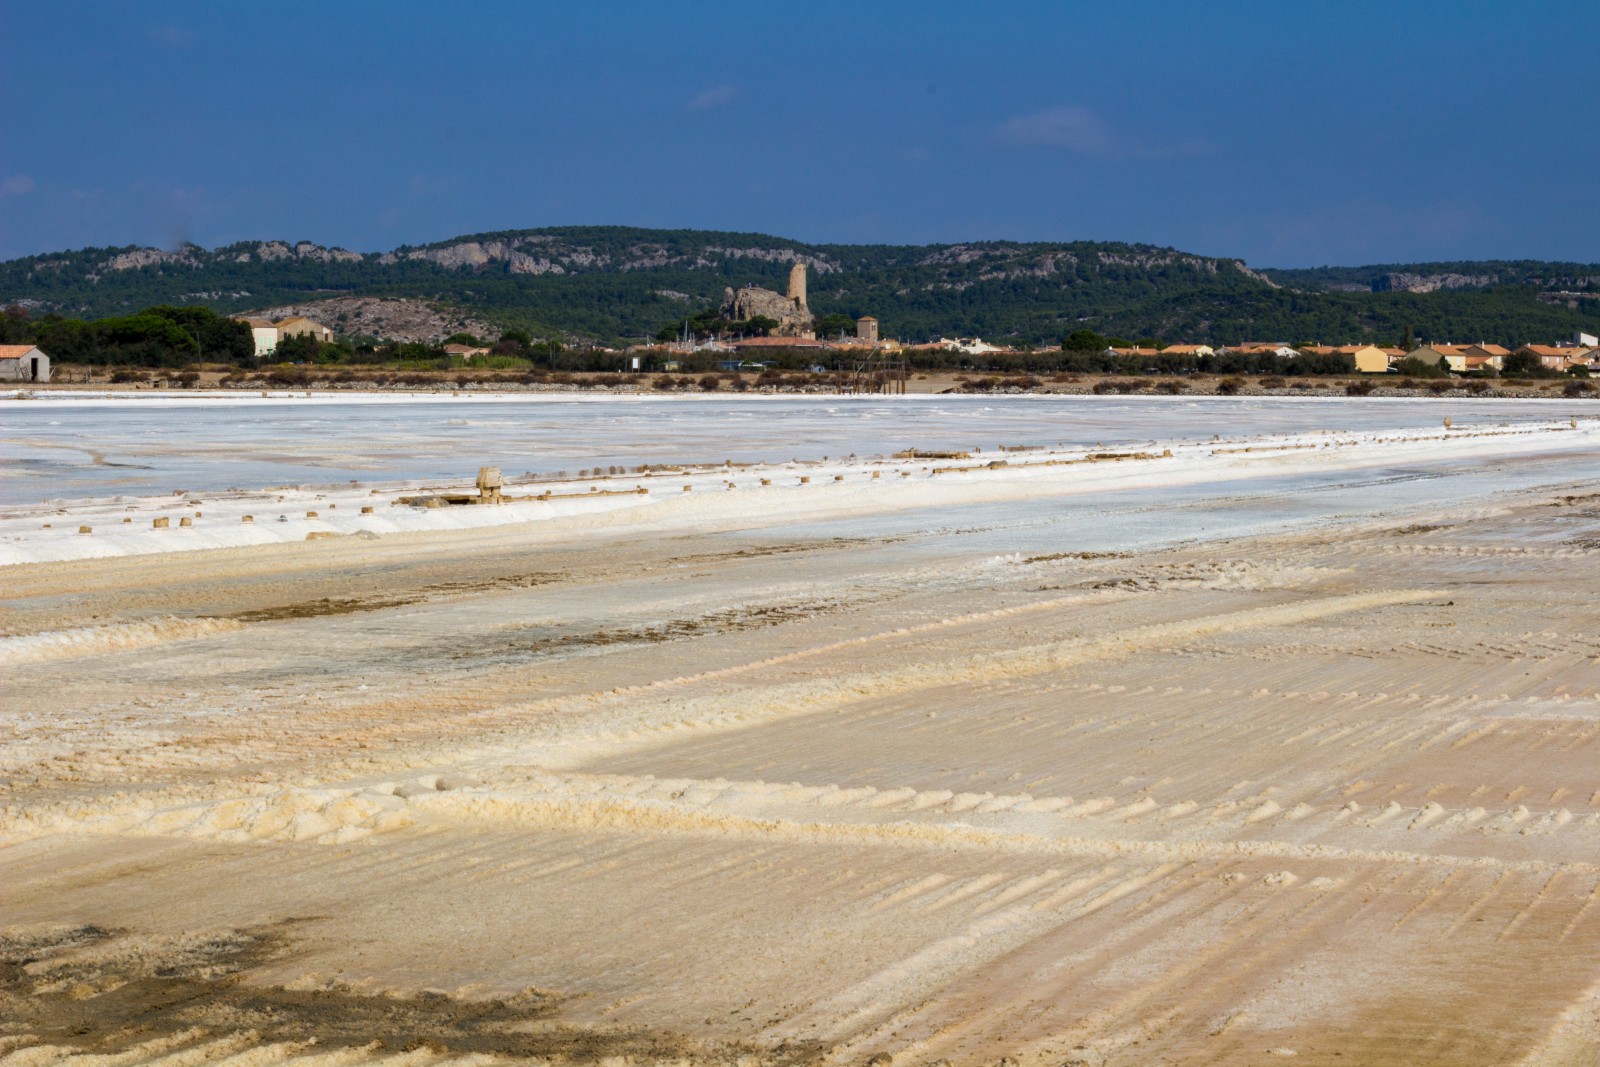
<point x="1481" y="355"/>
<point x="1554" y="357"/>
<point x="24" y="363"/>
<point x="1433" y="355"/>
<point x="1369" y="359"/>
<point x="300" y="326"/>
<point x="1460" y="358"/>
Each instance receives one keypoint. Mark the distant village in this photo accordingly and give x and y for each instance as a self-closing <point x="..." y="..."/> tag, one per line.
<point x="793" y="329"/>
<point x="755" y="327"/>
<point x="1582" y="351"/>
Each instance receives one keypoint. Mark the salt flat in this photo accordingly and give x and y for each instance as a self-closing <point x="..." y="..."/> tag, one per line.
<point x="1276" y="733"/>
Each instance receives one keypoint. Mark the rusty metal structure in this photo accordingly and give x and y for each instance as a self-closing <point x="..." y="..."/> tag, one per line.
<point x="881" y="373"/>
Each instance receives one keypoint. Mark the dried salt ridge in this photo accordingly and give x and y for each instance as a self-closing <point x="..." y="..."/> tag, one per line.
<point x="821" y="776"/>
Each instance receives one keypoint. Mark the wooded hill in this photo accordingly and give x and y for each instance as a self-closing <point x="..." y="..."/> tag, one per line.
<point x="615" y="284"/>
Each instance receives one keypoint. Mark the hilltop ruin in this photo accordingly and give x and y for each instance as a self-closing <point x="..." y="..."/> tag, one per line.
<point x="790" y="311"/>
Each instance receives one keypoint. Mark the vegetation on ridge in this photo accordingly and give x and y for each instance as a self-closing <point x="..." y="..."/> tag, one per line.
<point x="616" y="284"/>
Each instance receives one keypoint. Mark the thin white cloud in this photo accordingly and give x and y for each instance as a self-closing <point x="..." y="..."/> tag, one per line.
<point x="16" y="185"/>
<point x="1080" y="130"/>
<point x="720" y="96"/>
<point x="1076" y="129"/>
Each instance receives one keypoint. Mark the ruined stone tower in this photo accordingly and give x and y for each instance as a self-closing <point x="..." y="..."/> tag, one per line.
<point x="797" y="286"/>
<point x="789" y="310"/>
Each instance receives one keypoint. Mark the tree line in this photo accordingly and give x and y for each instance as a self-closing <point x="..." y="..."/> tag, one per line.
<point x="161" y="336"/>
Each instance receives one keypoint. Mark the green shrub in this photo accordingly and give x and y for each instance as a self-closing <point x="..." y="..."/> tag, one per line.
<point x="1416" y="368"/>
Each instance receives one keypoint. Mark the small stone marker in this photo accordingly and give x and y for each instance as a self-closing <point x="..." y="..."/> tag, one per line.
<point x="161" y="523"/>
<point x="311" y="514"/>
<point x="367" y="510"/>
<point x="490" y="484"/>
<point x="86" y="529"/>
<point x="186" y="521"/>
<point x="247" y="518"/>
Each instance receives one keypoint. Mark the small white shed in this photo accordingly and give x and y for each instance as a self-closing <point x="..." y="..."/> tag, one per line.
<point x="23" y="363"/>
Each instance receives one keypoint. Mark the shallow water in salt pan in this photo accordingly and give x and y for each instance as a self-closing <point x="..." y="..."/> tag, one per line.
<point x="70" y="447"/>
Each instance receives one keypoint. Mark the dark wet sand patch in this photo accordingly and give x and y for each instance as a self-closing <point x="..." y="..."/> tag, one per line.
<point x="101" y="990"/>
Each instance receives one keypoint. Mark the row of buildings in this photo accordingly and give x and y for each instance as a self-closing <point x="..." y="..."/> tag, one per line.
<point x="1367" y="359"/>
<point x="1583" y="351"/>
<point x="1465" y="358"/>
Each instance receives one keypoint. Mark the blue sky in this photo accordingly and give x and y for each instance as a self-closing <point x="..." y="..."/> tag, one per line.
<point x="1290" y="134"/>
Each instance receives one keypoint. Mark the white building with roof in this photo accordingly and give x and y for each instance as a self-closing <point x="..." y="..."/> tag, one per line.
<point x="24" y="363"/>
<point x="265" y="334"/>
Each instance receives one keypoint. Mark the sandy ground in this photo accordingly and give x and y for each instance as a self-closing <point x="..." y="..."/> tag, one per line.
<point x="757" y="775"/>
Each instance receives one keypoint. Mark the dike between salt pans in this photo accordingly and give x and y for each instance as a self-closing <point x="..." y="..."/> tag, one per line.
<point x="718" y="498"/>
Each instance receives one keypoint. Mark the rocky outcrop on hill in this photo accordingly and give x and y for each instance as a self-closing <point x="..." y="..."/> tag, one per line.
<point x="820" y="264"/>
<point x="389" y="319"/>
<point x="149" y="257"/>
<point x="273" y="251"/>
<point x="1257" y="275"/>
<point x="1431" y="283"/>
<point x="542" y="254"/>
<point x="457" y="256"/>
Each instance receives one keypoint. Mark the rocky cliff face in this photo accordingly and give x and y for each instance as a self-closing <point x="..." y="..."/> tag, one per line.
<point x="1431" y="283"/>
<point x="542" y="254"/>
<point x="148" y="257"/>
